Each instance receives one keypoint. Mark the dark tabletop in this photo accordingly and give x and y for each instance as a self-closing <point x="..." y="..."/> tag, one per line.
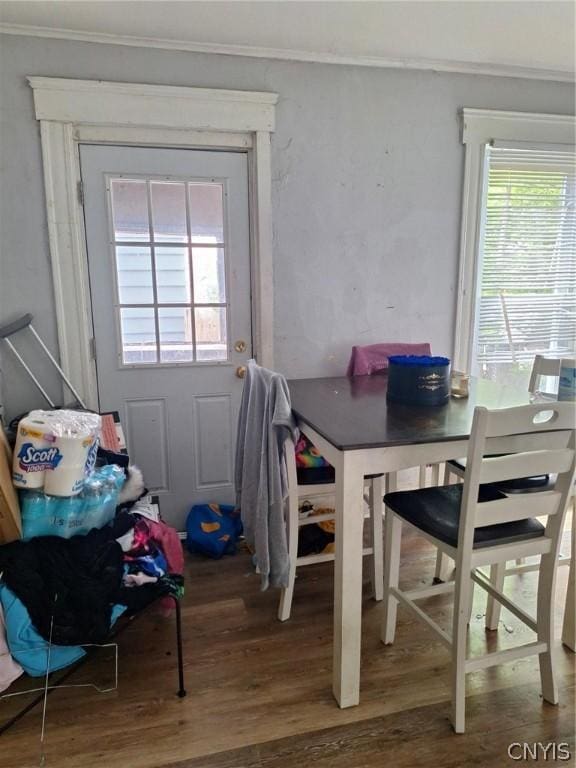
<point x="352" y="413"/>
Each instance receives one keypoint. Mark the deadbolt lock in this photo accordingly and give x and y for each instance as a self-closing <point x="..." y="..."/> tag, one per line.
<point x="240" y="346"/>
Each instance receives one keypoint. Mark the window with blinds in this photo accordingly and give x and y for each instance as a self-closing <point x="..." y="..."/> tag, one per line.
<point x="527" y="267"/>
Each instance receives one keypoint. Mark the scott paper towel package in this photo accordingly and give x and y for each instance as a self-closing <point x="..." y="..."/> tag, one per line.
<point x="93" y="507"/>
<point x="55" y="450"/>
<point x="33" y="452"/>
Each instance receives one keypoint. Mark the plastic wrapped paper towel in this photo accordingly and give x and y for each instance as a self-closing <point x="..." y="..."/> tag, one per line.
<point x="55" y="450"/>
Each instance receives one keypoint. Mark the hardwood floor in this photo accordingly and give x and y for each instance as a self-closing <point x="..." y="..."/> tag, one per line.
<point x="259" y="692"/>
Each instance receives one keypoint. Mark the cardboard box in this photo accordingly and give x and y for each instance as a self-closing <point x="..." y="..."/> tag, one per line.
<point x="5" y="445"/>
<point x="10" y="520"/>
<point x="112" y="434"/>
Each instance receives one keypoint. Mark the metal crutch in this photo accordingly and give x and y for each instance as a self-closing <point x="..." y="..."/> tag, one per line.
<point x="26" y="322"/>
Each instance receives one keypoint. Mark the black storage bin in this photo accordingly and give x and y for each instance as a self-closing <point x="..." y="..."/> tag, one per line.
<point x="418" y="380"/>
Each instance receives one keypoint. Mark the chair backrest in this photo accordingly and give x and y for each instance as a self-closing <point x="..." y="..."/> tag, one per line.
<point x="543" y="366"/>
<point x="536" y="440"/>
<point x="373" y="358"/>
<point x="290" y="455"/>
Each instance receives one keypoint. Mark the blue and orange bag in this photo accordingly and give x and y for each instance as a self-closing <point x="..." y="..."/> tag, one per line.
<point x="213" y="529"/>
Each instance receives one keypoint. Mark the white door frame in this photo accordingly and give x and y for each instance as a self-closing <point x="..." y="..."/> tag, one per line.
<point x="72" y="112"/>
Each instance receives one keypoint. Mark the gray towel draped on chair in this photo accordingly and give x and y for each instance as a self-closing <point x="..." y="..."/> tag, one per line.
<point x="264" y="423"/>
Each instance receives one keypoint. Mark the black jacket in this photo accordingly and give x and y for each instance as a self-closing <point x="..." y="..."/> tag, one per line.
<point x="67" y="585"/>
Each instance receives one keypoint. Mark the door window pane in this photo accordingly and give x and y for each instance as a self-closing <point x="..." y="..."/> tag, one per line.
<point x="172" y="275"/>
<point x="206" y="213"/>
<point x="169" y="212"/>
<point x="175" y="325"/>
<point x="170" y="251"/>
<point x="134" y="274"/>
<point x="138" y="335"/>
<point x="209" y="276"/>
<point x="211" y="333"/>
<point x="130" y="210"/>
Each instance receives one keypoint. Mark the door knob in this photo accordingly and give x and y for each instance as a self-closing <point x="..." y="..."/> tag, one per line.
<point x="241" y="371"/>
<point x="240" y="346"/>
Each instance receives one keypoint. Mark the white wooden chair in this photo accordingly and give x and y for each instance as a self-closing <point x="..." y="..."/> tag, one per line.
<point x="294" y="521"/>
<point x="476" y="525"/>
<point x="541" y="367"/>
<point x="544" y="366"/>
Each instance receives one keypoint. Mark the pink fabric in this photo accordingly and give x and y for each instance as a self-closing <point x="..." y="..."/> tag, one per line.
<point x="373" y="358"/>
<point x="9" y="669"/>
<point x="169" y="542"/>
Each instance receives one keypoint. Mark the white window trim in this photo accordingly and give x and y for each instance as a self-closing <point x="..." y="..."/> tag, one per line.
<point x="72" y="112"/>
<point x="479" y="128"/>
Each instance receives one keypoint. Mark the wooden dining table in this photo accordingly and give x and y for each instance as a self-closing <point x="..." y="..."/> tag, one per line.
<point x="351" y="423"/>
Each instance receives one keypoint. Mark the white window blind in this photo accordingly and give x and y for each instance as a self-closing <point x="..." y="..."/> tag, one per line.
<point x="527" y="266"/>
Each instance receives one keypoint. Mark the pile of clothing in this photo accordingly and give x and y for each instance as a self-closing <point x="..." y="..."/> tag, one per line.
<point x="59" y="594"/>
<point x="153" y="559"/>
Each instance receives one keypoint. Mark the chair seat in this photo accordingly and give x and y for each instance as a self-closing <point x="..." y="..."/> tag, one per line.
<point x="436" y="511"/>
<point x="520" y="485"/>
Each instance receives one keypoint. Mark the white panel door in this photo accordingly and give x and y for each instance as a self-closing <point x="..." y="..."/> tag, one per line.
<point x="167" y="234"/>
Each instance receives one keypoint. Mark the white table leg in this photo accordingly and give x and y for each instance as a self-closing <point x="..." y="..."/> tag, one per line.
<point x="348" y="580"/>
<point x="569" y="624"/>
<point x="444" y="565"/>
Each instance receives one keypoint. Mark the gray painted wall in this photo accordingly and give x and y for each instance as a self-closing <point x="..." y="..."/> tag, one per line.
<point x="367" y="173"/>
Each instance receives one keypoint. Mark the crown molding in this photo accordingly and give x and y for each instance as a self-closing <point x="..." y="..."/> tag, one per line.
<point x="380" y="62"/>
